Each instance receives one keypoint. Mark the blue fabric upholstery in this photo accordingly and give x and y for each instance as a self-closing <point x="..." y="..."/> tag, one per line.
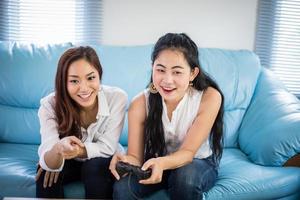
<point x="262" y="120"/>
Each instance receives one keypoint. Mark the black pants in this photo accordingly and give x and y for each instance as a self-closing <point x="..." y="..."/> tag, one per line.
<point x="94" y="173"/>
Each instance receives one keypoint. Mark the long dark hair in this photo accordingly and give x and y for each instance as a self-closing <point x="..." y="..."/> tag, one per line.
<point x="66" y="109"/>
<point x="153" y="131"/>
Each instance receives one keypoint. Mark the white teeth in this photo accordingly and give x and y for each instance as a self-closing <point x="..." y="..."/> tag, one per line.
<point x="84" y="96"/>
<point x="168" y="88"/>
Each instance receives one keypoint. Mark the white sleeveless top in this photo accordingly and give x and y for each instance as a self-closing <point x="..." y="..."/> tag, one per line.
<point x="182" y="119"/>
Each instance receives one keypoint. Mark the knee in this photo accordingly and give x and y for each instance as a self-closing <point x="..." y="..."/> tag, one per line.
<point x="185" y="179"/>
<point x="96" y="172"/>
<point x="95" y="167"/>
<point x="192" y="180"/>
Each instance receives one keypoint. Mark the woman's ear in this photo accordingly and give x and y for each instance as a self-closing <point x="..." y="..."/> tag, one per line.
<point x="194" y="73"/>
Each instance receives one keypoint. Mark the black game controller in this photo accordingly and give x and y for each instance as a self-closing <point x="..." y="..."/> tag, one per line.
<point x="123" y="168"/>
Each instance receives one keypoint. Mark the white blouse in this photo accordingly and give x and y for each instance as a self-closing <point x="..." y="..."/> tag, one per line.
<point x="100" y="138"/>
<point x="183" y="117"/>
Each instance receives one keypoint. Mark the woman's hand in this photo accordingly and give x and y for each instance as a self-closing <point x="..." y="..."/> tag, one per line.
<point x="69" y="147"/>
<point x="157" y="171"/>
<point x="50" y="178"/>
<point x="124" y="158"/>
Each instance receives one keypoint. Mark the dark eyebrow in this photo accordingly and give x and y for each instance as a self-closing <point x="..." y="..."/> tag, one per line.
<point x="75" y="76"/>
<point x="174" y="67"/>
<point x="89" y="73"/>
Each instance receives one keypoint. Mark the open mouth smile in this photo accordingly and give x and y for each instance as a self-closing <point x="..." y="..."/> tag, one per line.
<point x="85" y="96"/>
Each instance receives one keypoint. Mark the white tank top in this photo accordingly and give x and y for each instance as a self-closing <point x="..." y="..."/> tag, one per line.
<point x="182" y="119"/>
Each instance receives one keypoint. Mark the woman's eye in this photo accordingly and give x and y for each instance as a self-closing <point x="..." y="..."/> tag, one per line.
<point x="177" y="73"/>
<point x="74" y="81"/>
<point x="91" y="78"/>
<point x="160" y="70"/>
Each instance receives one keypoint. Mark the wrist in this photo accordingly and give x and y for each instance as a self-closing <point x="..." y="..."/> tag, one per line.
<point x="133" y="160"/>
<point x="81" y="152"/>
<point x="162" y="162"/>
<point x="57" y="149"/>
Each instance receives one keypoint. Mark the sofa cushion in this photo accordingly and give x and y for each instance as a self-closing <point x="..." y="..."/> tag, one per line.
<point x="270" y="132"/>
<point x="19" y="125"/>
<point x="239" y="178"/>
<point x="27" y="72"/>
<point x="18" y="168"/>
<point x="126" y="67"/>
<point x="236" y="73"/>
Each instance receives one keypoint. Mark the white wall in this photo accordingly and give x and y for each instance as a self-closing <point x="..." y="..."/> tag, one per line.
<point x="210" y="23"/>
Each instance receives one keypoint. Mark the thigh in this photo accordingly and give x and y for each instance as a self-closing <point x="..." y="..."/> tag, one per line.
<point x="97" y="179"/>
<point x="71" y="171"/>
<point x="95" y="168"/>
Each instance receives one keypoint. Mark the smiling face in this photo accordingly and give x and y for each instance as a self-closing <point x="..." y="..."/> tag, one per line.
<point x="171" y="75"/>
<point x="83" y="83"/>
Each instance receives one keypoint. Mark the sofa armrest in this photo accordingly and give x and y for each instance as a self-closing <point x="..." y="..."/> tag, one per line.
<point x="270" y="131"/>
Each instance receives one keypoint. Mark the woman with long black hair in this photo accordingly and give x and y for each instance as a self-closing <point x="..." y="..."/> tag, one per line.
<point x="175" y="126"/>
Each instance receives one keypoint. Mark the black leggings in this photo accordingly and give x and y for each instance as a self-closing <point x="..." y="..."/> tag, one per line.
<point x="94" y="174"/>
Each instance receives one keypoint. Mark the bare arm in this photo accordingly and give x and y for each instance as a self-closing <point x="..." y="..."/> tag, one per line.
<point x="136" y="120"/>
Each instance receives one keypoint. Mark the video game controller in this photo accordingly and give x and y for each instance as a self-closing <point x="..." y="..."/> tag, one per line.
<point x="123" y="168"/>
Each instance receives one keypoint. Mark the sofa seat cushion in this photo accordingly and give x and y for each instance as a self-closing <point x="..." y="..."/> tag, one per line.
<point x="18" y="166"/>
<point x="239" y="178"/>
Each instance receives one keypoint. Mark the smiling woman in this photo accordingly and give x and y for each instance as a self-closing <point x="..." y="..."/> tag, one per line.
<point x="81" y="124"/>
<point x="175" y="128"/>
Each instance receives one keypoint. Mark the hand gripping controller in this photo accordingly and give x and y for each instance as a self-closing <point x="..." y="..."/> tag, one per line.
<point x="123" y="168"/>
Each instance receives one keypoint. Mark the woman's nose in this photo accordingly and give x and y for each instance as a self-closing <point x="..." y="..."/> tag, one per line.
<point x="83" y="86"/>
<point x="168" y="78"/>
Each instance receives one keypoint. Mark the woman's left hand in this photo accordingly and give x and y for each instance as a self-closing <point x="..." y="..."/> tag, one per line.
<point x="157" y="171"/>
<point x="50" y="178"/>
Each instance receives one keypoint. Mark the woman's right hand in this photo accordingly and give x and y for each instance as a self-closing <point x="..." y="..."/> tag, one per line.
<point x="124" y="158"/>
<point x="112" y="166"/>
<point x="69" y="147"/>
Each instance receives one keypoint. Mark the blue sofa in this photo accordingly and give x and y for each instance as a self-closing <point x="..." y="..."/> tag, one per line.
<point x="262" y="119"/>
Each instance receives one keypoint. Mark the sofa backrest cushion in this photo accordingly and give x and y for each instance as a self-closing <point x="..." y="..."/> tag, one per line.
<point x="236" y="72"/>
<point x="26" y="74"/>
<point x="269" y="133"/>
